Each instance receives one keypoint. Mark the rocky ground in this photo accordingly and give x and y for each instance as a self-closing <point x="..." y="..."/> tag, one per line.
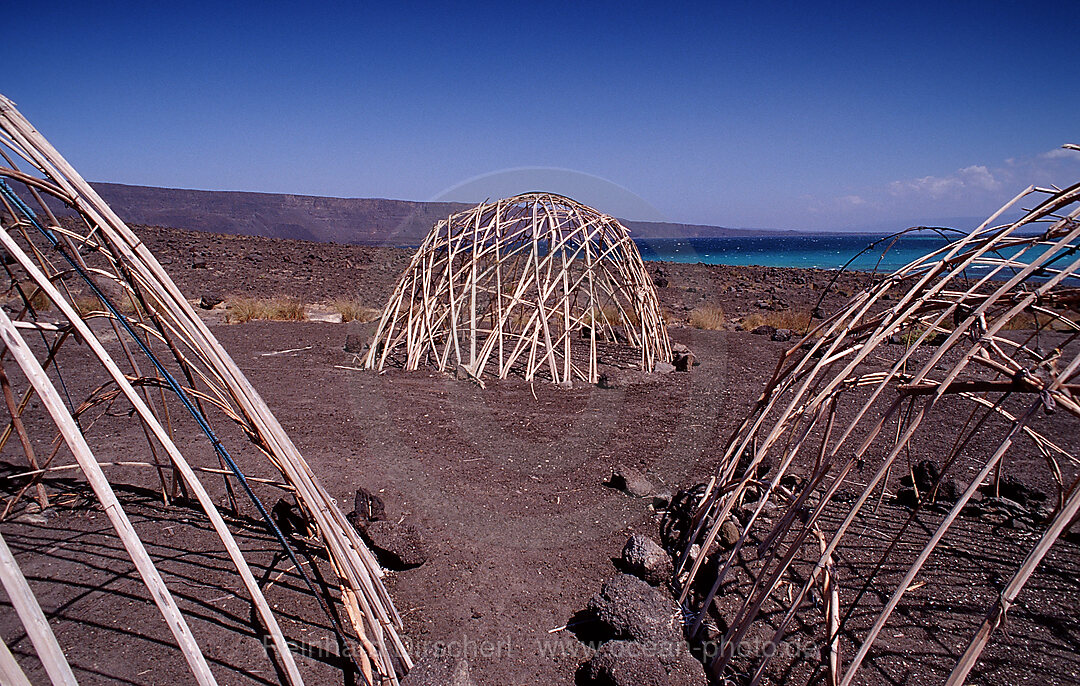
<point x="508" y="539"/>
<point x="318" y="273"/>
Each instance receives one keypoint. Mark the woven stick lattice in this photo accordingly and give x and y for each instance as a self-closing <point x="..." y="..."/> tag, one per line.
<point x="980" y="337"/>
<point x="536" y="285"/>
<point x="100" y="285"/>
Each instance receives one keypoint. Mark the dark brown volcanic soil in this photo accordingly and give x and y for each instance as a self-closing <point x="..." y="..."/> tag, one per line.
<point x="507" y="483"/>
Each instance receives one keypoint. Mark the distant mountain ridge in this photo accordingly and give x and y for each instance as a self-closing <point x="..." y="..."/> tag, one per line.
<point x="329" y="220"/>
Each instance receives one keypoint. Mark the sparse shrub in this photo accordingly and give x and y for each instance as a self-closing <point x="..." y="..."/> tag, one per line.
<point x="41" y="301"/>
<point x="752" y="321"/>
<point x="793" y="320"/>
<point x="128" y="305"/>
<point x="910" y="335"/>
<point x="609" y="314"/>
<point x="614" y="316"/>
<point x="242" y="310"/>
<point x="285" y="309"/>
<point x="352" y="310"/>
<point x="629" y="318"/>
<point x="1024" y="321"/>
<point x="707" y="317"/>
<point x="85" y="304"/>
<point x="281" y="308"/>
<point x="37" y="297"/>
<point x="519" y="318"/>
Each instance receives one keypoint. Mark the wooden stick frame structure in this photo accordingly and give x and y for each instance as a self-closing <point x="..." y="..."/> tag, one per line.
<point x="983" y="329"/>
<point x="537" y="285"/>
<point x="88" y="277"/>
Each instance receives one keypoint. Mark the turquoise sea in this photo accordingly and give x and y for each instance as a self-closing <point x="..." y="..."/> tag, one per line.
<point x="823" y="251"/>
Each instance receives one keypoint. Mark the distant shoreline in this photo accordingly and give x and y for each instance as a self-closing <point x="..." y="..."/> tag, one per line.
<point x="363" y="221"/>
<point x="374" y="221"/>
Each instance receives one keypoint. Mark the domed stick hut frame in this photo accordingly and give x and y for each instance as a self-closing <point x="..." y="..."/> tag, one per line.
<point x="982" y="330"/>
<point x="535" y="285"/>
<point x="100" y="285"/>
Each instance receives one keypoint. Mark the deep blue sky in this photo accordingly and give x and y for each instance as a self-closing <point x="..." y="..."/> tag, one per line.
<point x="759" y="114"/>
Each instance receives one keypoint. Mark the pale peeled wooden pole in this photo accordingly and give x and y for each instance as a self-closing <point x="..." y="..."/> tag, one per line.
<point x="159" y="592"/>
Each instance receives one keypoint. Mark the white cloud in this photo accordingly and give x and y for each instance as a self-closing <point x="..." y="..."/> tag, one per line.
<point x="976" y="177"/>
<point x="1061" y="154"/>
<point x="972" y="191"/>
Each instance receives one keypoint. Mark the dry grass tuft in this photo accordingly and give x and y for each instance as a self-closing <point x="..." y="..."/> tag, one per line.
<point x="707" y="317"/>
<point x="614" y="316"/>
<point x="85" y="304"/>
<point x="352" y="310"/>
<point x="519" y="318"/>
<point x="797" y="321"/>
<point x="1025" y="321"/>
<point x="128" y="305"/>
<point x="752" y="321"/>
<point x="242" y="310"/>
<point x="40" y="301"/>
<point x="284" y="309"/>
<point x="37" y="297"/>
<point x="281" y="309"/>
